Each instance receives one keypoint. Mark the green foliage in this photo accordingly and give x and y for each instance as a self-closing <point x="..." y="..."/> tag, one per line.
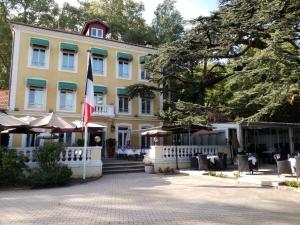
<point x="50" y="173"/>
<point x="293" y="183"/>
<point x="80" y="142"/>
<point x="11" y="167"/>
<point x="48" y="155"/>
<point x="237" y="174"/>
<point x="168" y="22"/>
<point x="57" y="176"/>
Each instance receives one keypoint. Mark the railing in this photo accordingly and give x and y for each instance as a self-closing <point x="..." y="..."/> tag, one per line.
<point x="188" y="151"/>
<point x="184" y="152"/>
<point x="104" y="110"/>
<point x="68" y="155"/>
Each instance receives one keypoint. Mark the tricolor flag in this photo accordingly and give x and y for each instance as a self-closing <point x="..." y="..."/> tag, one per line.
<point x="88" y="105"/>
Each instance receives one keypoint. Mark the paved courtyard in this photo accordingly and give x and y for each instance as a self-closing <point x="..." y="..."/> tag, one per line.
<point x="140" y="198"/>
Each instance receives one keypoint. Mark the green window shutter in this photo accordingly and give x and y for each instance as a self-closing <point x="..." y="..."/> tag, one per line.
<point x="100" y="89"/>
<point x="144" y="59"/>
<point x="69" y="47"/>
<point x="99" y="51"/>
<point x="67" y="86"/>
<point x="148" y="94"/>
<point x="122" y="91"/>
<point x="39" y="42"/>
<point x="36" y="83"/>
<point x="124" y="56"/>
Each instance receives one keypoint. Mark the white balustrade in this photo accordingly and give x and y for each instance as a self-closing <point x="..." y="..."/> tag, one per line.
<point x="68" y="155"/>
<point x="104" y="110"/>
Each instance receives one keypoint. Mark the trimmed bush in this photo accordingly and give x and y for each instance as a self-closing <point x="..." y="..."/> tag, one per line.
<point x="11" y="167"/>
<point x="49" y="178"/>
<point x="50" y="173"/>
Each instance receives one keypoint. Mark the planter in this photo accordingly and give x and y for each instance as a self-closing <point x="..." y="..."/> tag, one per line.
<point x="149" y="169"/>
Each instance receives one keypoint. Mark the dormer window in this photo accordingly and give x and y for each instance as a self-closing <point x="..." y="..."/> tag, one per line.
<point x="96" y="32"/>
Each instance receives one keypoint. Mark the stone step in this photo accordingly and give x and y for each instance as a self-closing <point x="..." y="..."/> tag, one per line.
<point x="124" y="170"/>
<point x="120" y="167"/>
<point x="123" y="164"/>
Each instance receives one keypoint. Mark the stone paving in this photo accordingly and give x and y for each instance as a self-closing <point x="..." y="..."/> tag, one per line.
<point x="141" y="199"/>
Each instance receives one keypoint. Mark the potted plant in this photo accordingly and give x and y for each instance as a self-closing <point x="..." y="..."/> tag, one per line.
<point x="110" y="147"/>
<point x="149" y="167"/>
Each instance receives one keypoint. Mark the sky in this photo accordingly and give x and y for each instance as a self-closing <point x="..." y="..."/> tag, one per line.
<point x="189" y="9"/>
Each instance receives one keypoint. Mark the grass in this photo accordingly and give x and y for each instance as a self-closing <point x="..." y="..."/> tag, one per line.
<point x="294" y="184"/>
<point x="214" y="174"/>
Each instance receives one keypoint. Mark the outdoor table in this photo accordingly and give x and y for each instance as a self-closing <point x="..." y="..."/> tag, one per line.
<point x="212" y="158"/>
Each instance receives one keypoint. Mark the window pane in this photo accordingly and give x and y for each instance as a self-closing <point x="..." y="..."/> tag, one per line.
<point x="42" y="57"/>
<point x="35" y="98"/>
<point x="126" y="100"/>
<point x="125" y="70"/>
<point x="68" y="61"/>
<point x="97" y="65"/>
<point x="121" y="104"/>
<point x="120" y="68"/>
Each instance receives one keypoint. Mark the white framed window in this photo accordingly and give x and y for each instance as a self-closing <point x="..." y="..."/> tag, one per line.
<point x="123" y="69"/>
<point x="68" y="60"/>
<point x="146" y="106"/>
<point x="38" y="57"/>
<point x="67" y="100"/>
<point x="98" y="65"/>
<point x="144" y="75"/>
<point x="35" y="98"/>
<point x="96" y="32"/>
<point x="145" y="141"/>
<point x="67" y="138"/>
<point x="123" y="104"/>
<point x="99" y="99"/>
<point x="123" y="135"/>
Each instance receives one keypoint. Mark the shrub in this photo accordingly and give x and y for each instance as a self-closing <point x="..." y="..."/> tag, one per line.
<point x="293" y="183"/>
<point x="50" y="173"/>
<point x="11" y="167"/>
<point x="58" y="176"/>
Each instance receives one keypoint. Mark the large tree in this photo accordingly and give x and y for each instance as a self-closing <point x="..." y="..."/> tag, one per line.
<point x="243" y="60"/>
<point x="168" y="22"/>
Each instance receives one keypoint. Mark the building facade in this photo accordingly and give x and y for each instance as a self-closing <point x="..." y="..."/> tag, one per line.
<point x="49" y="73"/>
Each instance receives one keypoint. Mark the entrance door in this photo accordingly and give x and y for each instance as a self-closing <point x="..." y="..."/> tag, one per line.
<point x="123" y="136"/>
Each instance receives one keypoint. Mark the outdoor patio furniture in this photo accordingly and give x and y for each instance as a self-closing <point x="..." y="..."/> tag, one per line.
<point x="203" y="162"/>
<point x="253" y="163"/>
<point x="221" y="163"/>
<point x="243" y="163"/>
<point x="297" y="166"/>
<point x="284" y="167"/>
<point x="194" y="163"/>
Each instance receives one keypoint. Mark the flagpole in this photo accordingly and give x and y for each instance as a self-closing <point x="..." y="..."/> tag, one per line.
<point x="84" y="152"/>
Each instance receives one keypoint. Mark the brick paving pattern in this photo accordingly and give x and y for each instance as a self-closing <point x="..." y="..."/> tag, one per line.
<point x="141" y="199"/>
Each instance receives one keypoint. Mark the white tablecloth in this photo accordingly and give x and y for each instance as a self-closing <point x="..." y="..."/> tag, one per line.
<point x="212" y="158"/>
<point x="293" y="164"/>
<point x="252" y="159"/>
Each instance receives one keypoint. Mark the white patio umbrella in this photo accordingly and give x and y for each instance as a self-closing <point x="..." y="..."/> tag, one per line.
<point x="27" y="119"/>
<point x="156" y="133"/>
<point x="8" y="121"/>
<point x="79" y="124"/>
<point x="54" y="122"/>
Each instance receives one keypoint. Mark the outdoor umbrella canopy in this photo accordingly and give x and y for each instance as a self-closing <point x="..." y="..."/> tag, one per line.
<point x="79" y="124"/>
<point x="54" y="122"/>
<point x="27" y="119"/>
<point x="156" y="133"/>
<point x="21" y="130"/>
<point x="204" y="132"/>
<point x="8" y="121"/>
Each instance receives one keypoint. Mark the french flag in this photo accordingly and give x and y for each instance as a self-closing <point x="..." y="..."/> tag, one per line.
<point x="88" y="105"/>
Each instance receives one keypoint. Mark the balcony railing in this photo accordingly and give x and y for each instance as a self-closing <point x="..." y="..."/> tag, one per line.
<point x="104" y="110"/>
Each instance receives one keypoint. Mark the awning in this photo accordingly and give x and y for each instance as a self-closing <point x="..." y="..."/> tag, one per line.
<point x="148" y="94"/>
<point x="99" y="51"/>
<point x="100" y="89"/>
<point x="67" y="86"/>
<point x="124" y="56"/>
<point x="36" y="83"/>
<point x="69" y="47"/>
<point x="39" y="42"/>
<point x="144" y="59"/>
<point x="122" y="91"/>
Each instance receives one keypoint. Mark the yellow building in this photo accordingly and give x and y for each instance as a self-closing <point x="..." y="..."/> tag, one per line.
<point x="49" y="73"/>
